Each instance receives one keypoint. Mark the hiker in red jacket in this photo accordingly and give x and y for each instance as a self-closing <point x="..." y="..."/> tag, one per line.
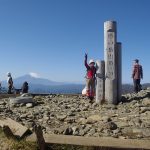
<point x="90" y="78"/>
<point x="137" y="75"/>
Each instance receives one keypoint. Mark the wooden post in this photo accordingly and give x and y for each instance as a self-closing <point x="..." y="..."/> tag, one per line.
<point x="8" y="133"/>
<point x="40" y="138"/>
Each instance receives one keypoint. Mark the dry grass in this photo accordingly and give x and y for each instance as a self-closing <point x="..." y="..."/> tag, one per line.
<point x="11" y="144"/>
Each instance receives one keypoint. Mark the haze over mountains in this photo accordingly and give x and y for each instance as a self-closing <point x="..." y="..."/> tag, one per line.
<point x="41" y="85"/>
<point x="34" y="80"/>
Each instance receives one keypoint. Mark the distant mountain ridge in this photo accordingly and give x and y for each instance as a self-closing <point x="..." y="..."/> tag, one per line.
<point x="40" y="85"/>
<point x="33" y="80"/>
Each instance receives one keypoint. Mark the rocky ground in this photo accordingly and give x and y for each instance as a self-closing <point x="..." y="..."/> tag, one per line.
<point x="76" y="115"/>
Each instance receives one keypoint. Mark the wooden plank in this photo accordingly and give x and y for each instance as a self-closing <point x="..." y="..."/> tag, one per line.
<point x="16" y="128"/>
<point x="95" y="141"/>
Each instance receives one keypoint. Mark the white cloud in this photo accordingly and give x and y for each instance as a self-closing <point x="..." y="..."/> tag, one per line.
<point x="33" y="74"/>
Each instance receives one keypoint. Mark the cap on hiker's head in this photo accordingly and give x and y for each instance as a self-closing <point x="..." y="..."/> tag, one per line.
<point x="8" y="74"/>
<point x="91" y="61"/>
<point x="136" y="60"/>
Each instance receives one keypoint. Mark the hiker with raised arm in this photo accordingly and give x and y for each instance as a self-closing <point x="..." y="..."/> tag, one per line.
<point x="137" y="75"/>
<point x="90" y="77"/>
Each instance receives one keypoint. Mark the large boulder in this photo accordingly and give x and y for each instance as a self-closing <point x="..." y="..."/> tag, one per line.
<point x="25" y="98"/>
<point x="146" y="101"/>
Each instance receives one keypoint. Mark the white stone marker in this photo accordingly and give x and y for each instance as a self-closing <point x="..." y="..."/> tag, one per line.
<point x="100" y="81"/>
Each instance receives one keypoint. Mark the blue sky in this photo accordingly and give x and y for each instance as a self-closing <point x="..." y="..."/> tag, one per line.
<point x="49" y="37"/>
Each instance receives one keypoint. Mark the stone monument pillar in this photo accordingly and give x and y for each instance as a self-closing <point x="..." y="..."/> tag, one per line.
<point x="112" y="52"/>
<point x="100" y="79"/>
<point x="119" y="70"/>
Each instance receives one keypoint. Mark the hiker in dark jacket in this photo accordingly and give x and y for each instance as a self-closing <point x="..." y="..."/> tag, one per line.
<point x="25" y="87"/>
<point x="137" y="75"/>
<point x="90" y="77"/>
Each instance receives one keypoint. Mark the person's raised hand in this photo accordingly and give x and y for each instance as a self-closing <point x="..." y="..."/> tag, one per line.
<point x="86" y="56"/>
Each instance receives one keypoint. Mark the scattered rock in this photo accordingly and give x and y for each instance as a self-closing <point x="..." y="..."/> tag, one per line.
<point x="82" y="121"/>
<point x="20" y="99"/>
<point x="70" y="120"/>
<point x="61" y="117"/>
<point x="91" y="132"/>
<point x="122" y="124"/>
<point x="81" y="133"/>
<point x="68" y="131"/>
<point x="95" y="117"/>
<point x="3" y="103"/>
<point x="23" y="116"/>
<point x="106" y="119"/>
<point x="75" y="130"/>
<point x="144" y="109"/>
<point x="110" y="125"/>
<point x="75" y="115"/>
<point x="90" y="121"/>
<point x="29" y="105"/>
<point x="146" y="101"/>
<point x="58" y="131"/>
<point x="85" y="109"/>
